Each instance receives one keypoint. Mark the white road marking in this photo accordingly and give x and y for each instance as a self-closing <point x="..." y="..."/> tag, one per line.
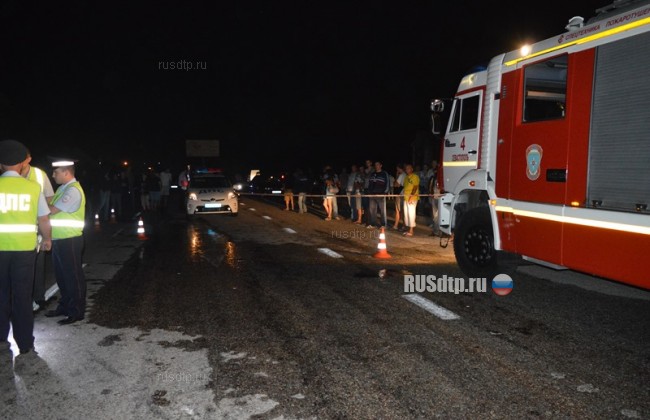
<point x="231" y="355"/>
<point x="289" y="230"/>
<point x="267" y="217"/>
<point x="330" y="253"/>
<point x="251" y="209"/>
<point x="431" y="307"/>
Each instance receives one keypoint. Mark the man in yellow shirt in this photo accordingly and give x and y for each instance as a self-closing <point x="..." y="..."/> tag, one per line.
<point x="411" y="197"/>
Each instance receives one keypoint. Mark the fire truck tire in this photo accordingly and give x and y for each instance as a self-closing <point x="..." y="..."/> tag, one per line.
<point x="474" y="244"/>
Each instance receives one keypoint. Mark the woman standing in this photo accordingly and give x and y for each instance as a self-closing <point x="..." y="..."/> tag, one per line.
<point x="330" y="195"/>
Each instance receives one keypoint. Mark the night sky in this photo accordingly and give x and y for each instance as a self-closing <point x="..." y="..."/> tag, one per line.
<point x="281" y="84"/>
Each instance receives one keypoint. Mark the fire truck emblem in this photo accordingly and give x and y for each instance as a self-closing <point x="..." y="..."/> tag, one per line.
<point x="533" y="161"/>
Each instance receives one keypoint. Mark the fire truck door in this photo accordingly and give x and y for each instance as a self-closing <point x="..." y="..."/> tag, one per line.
<point x="461" y="141"/>
<point x="539" y="158"/>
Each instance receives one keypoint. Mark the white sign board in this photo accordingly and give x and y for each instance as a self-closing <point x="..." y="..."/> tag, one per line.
<point x="253" y="174"/>
<point x="202" y="148"/>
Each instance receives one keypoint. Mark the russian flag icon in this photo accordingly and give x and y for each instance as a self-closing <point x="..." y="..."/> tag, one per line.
<point x="502" y="284"/>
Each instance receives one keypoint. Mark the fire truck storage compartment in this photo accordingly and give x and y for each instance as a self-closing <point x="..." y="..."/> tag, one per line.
<point x="619" y="155"/>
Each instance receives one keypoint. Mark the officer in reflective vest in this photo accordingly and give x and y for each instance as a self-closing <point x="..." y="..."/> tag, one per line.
<point x="68" y="213"/>
<point x="23" y="214"/>
<point x="39" y="176"/>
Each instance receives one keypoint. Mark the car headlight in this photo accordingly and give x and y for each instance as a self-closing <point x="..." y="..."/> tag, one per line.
<point x="193" y="196"/>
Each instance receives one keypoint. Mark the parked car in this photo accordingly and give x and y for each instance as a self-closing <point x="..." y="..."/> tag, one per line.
<point x="211" y="192"/>
<point x="271" y="184"/>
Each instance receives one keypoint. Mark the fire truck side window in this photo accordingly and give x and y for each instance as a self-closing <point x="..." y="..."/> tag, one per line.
<point x="545" y="89"/>
<point x="465" y="114"/>
<point x="469" y="114"/>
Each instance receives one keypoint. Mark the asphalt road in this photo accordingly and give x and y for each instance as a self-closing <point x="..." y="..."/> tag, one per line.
<point x="273" y="314"/>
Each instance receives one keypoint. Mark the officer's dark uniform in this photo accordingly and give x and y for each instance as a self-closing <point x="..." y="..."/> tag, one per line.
<point x="19" y="212"/>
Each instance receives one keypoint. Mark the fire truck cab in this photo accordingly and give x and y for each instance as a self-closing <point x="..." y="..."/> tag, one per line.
<point x="547" y="152"/>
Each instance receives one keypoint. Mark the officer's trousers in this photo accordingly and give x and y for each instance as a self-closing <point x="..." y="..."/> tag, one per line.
<point x="16" y="282"/>
<point x="66" y="259"/>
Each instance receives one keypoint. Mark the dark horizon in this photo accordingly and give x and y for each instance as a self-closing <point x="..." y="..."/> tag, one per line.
<point x="278" y="84"/>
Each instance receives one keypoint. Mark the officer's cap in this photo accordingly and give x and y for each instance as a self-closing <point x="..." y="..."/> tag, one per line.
<point x="12" y="152"/>
<point x="62" y="162"/>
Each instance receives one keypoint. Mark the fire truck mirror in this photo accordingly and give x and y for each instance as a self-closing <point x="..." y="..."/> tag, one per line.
<point x="437" y="105"/>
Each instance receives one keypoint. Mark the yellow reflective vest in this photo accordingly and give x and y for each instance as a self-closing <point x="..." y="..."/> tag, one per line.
<point x="68" y="225"/>
<point x="18" y="214"/>
<point x="38" y="176"/>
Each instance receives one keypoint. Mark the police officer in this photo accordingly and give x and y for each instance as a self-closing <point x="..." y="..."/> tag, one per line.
<point x="39" y="176"/>
<point x="67" y="218"/>
<point x="23" y="213"/>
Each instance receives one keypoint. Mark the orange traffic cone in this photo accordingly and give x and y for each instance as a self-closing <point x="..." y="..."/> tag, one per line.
<point x="141" y="233"/>
<point x="381" y="246"/>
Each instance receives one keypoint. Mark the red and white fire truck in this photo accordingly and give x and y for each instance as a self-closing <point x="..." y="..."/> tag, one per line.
<point x="547" y="152"/>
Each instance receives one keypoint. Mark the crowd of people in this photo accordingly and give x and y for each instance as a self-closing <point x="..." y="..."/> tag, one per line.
<point x="122" y="191"/>
<point x="364" y="190"/>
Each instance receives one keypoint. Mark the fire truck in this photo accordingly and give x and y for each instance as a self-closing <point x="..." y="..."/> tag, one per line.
<point x="546" y="152"/>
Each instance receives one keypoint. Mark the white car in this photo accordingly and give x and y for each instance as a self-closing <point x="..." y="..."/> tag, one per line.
<point x="211" y="193"/>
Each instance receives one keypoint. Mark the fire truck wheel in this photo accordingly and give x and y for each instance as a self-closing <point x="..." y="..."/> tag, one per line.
<point x="474" y="244"/>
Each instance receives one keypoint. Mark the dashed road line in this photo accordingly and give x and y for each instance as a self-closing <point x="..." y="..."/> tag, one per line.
<point x="252" y="209"/>
<point x="289" y="230"/>
<point x="427" y="305"/>
<point x="330" y="253"/>
<point x="266" y="217"/>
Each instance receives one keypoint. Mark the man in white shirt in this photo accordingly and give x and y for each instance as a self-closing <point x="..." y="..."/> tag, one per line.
<point x="39" y="176"/>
